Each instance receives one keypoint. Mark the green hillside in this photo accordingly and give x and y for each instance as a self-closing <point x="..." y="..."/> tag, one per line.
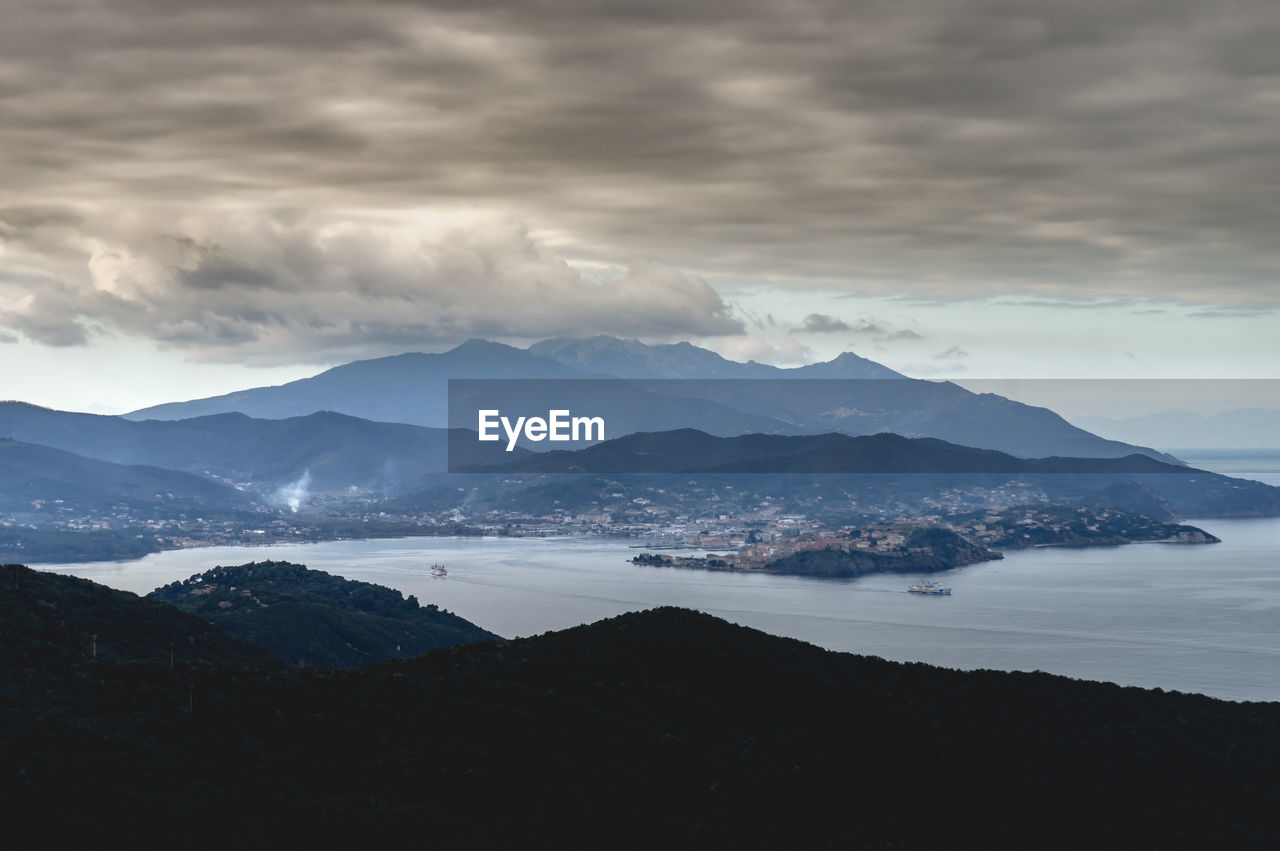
<point x="309" y="617"/>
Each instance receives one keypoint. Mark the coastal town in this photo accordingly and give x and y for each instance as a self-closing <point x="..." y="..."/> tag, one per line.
<point x="750" y="540"/>
<point x="920" y="544"/>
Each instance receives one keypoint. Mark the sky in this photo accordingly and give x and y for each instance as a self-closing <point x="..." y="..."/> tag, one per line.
<point x="201" y="197"/>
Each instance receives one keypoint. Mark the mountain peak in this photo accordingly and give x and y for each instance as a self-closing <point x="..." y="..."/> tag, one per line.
<point x="479" y="344"/>
<point x="634" y="359"/>
<point x="846" y="365"/>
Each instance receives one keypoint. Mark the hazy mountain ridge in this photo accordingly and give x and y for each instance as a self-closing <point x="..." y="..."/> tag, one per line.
<point x="911" y="408"/>
<point x="406" y="388"/>
<point x="354" y="462"/>
<point x="694" y="451"/>
<point x="626" y="406"/>
<point x="335" y="451"/>
<point x="897" y="477"/>
<point x="59" y="480"/>
<point x="410" y="388"/>
<point x="1243" y="428"/>
<point x="285" y="463"/>
<point x="633" y="359"/>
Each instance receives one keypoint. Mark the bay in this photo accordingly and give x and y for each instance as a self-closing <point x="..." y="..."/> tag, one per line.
<point x="1198" y="618"/>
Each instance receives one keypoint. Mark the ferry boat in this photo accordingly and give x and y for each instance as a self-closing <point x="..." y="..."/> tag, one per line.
<point x="933" y="588"/>
<point x="438" y="570"/>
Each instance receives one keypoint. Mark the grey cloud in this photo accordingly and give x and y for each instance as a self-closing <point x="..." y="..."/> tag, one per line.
<point x="821" y="323"/>
<point x="48" y="317"/>
<point x="902" y="334"/>
<point x="953" y="353"/>
<point x="883" y="332"/>
<point x="941" y="149"/>
<point x="867" y="326"/>
<point x="265" y="289"/>
<point x="1067" y="304"/>
<point x="1240" y="312"/>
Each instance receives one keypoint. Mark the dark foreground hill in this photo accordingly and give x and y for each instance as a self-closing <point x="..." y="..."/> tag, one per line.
<point x="665" y="728"/>
<point x="309" y="617"/>
<point x="48" y="620"/>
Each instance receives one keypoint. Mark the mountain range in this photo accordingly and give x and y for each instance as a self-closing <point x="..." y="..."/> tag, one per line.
<point x="693" y="451"/>
<point x="407" y="388"/>
<point x="336" y="452"/>
<point x="41" y="482"/>
<point x="848" y="394"/>
<point x="633" y="359"/>
<point x="321" y="447"/>
<point x="1243" y="428"/>
<point x="831" y="476"/>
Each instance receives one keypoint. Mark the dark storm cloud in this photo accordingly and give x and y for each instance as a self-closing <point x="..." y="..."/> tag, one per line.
<point x="943" y="149"/>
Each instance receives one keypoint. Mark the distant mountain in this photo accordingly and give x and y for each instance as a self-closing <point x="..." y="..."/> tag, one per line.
<point x="335" y="451"/>
<point x="39" y="483"/>
<point x="411" y="388"/>
<point x="831" y="476"/>
<point x="1243" y="428"/>
<point x="633" y="359"/>
<point x="909" y="407"/>
<point x="309" y="617"/>
<point x="693" y="451"/>
<point x="626" y="406"/>
<point x="408" y="388"/>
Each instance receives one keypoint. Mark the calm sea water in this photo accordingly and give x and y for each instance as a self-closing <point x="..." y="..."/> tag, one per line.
<point x="1260" y="464"/>
<point x="1181" y="617"/>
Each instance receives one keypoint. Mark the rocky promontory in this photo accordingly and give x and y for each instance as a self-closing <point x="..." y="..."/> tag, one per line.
<point x="924" y="550"/>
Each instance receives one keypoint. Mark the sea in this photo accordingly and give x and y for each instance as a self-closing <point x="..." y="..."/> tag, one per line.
<point x="1179" y="617"/>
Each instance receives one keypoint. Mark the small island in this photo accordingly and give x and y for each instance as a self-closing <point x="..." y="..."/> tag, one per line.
<point x="923" y="550"/>
<point x="906" y="547"/>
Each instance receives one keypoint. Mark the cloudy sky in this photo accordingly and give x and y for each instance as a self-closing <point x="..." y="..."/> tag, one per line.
<point x="200" y="197"/>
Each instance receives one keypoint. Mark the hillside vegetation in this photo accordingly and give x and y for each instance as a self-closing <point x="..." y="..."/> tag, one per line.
<point x="309" y="617"/>
<point x="665" y="728"/>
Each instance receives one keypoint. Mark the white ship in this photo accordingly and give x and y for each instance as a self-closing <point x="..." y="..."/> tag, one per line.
<point x="438" y="570"/>
<point x="933" y="588"/>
